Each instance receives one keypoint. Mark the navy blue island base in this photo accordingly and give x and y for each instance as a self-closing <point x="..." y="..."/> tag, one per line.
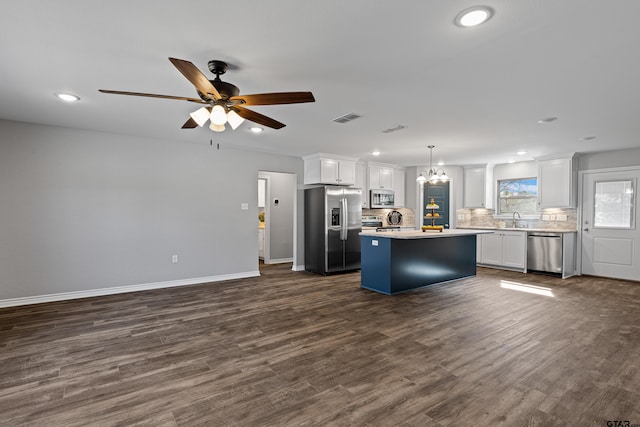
<point x="394" y="262"/>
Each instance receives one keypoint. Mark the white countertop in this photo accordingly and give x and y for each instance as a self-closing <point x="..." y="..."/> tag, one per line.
<point x="545" y="230"/>
<point x="417" y="234"/>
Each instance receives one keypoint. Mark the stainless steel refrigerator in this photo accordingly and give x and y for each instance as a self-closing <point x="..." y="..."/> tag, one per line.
<point x="332" y="221"/>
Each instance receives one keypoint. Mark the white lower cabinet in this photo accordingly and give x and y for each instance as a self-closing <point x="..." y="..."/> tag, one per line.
<point x="506" y="249"/>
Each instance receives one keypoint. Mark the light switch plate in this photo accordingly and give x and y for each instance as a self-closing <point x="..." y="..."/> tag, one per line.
<point x="561" y="217"/>
<point x="244" y="206"/>
<point x="545" y="217"/>
<point x="374" y="243"/>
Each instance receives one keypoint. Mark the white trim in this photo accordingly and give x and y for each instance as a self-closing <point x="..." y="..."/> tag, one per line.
<point x="606" y="170"/>
<point x="12" y="302"/>
<point x="330" y="156"/>
<point x="297" y="267"/>
<point x="280" y="261"/>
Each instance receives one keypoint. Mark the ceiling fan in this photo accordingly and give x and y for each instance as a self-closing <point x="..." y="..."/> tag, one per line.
<point x="223" y="100"/>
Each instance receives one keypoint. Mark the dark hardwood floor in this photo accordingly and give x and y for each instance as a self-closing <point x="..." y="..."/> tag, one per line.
<point x="294" y="348"/>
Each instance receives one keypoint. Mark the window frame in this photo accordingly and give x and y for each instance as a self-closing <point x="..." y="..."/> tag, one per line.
<point x="528" y="215"/>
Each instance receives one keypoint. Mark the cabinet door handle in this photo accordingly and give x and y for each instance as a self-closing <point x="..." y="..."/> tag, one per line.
<point x="585" y="229"/>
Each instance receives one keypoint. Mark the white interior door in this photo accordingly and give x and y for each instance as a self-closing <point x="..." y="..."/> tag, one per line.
<point x="610" y="235"/>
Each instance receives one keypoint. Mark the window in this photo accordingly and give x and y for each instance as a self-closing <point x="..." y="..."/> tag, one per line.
<point x="520" y="194"/>
<point x="613" y="204"/>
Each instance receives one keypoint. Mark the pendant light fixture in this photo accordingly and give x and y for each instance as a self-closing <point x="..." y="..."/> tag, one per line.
<point x="434" y="175"/>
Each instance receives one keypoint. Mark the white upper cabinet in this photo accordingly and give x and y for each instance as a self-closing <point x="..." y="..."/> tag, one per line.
<point x="478" y="187"/>
<point x="361" y="182"/>
<point x="380" y="177"/>
<point x="398" y="187"/>
<point x="557" y="182"/>
<point x="329" y="169"/>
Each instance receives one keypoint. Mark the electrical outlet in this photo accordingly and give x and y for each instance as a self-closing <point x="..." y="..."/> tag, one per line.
<point x="461" y="216"/>
<point x="552" y="217"/>
<point x="374" y="243"/>
<point x="545" y="217"/>
<point x="561" y="217"/>
<point x="174" y="258"/>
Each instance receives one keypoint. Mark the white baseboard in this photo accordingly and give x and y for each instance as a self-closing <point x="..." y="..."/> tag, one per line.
<point x="280" y="260"/>
<point x="298" y="267"/>
<point x="13" y="302"/>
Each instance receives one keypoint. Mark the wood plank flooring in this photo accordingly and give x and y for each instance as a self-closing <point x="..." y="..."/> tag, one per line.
<point x="298" y="349"/>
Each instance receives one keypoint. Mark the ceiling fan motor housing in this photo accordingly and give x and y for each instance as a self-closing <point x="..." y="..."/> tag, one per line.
<point x="226" y="90"/>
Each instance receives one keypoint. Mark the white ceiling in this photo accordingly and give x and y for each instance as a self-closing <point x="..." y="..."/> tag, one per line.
<point x="474" y="93"/>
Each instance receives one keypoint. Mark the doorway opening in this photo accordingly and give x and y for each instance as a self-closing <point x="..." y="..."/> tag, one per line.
<point x="276" y="218"/>
<point x="439" y="192"/>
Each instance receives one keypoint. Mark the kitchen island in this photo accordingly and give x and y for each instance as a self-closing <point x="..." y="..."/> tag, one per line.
<point x="398" y="261"/>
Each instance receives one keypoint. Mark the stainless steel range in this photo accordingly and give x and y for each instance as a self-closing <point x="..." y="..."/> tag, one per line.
<point x="372" y="222"/>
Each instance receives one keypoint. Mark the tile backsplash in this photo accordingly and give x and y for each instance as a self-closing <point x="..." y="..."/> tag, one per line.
<point x="486" y="218"/>
<point x="408" y="215"/>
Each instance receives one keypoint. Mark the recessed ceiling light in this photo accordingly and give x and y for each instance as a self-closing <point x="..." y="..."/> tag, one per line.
<point x="376" y="153"/>
<point x="440" y="163"/>
<point x="474" y="16"/>
<point x="521" y="153"/>
<point x="548" y="120"/>
<point x="67" y="97"/>
<point x="256" y="129"/>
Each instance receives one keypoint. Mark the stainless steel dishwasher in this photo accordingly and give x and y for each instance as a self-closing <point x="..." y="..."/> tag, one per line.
<point x="544" y="252"/>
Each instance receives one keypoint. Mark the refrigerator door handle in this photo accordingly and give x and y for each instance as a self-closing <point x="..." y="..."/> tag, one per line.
<point x="343" y="225"/>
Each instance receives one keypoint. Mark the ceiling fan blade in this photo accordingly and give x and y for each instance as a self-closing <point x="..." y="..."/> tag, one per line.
<point x="196" y="77"/>
<point x="257" y="117"/>
<point x="151" y="95"/>
<point x="275" y="98"/>
<point x="190" y="124"/>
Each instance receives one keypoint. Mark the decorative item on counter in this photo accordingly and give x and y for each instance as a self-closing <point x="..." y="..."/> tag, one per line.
<point x="432" y="215"/>
<point x="261" y="217"/>
<point x="394" y="218"/>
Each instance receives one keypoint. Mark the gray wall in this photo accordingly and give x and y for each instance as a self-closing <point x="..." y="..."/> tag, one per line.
<point x="609" y="159"/>
<point x="83" y="210"/>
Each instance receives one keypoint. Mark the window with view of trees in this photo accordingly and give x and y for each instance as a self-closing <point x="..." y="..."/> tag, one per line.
<point x="519" y="194"/>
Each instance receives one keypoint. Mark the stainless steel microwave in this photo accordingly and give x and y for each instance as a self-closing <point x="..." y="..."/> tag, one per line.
<point x="382" y="199"/>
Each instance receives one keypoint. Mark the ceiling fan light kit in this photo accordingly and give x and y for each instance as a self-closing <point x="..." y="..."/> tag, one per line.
<point x="234" y="119"/>
<point x="218" y="115"/>
<point x="223" y="100"/>
<point x="201" y="116"/>
<point x="216" y="128"/>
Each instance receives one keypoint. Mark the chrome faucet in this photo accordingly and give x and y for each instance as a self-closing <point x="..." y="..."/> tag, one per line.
<point x="514" y="222"/>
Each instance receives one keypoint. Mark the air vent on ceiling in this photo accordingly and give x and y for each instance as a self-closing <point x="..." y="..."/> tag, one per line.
<point x="394" y="129"/>
<point x="346" y="118"/>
